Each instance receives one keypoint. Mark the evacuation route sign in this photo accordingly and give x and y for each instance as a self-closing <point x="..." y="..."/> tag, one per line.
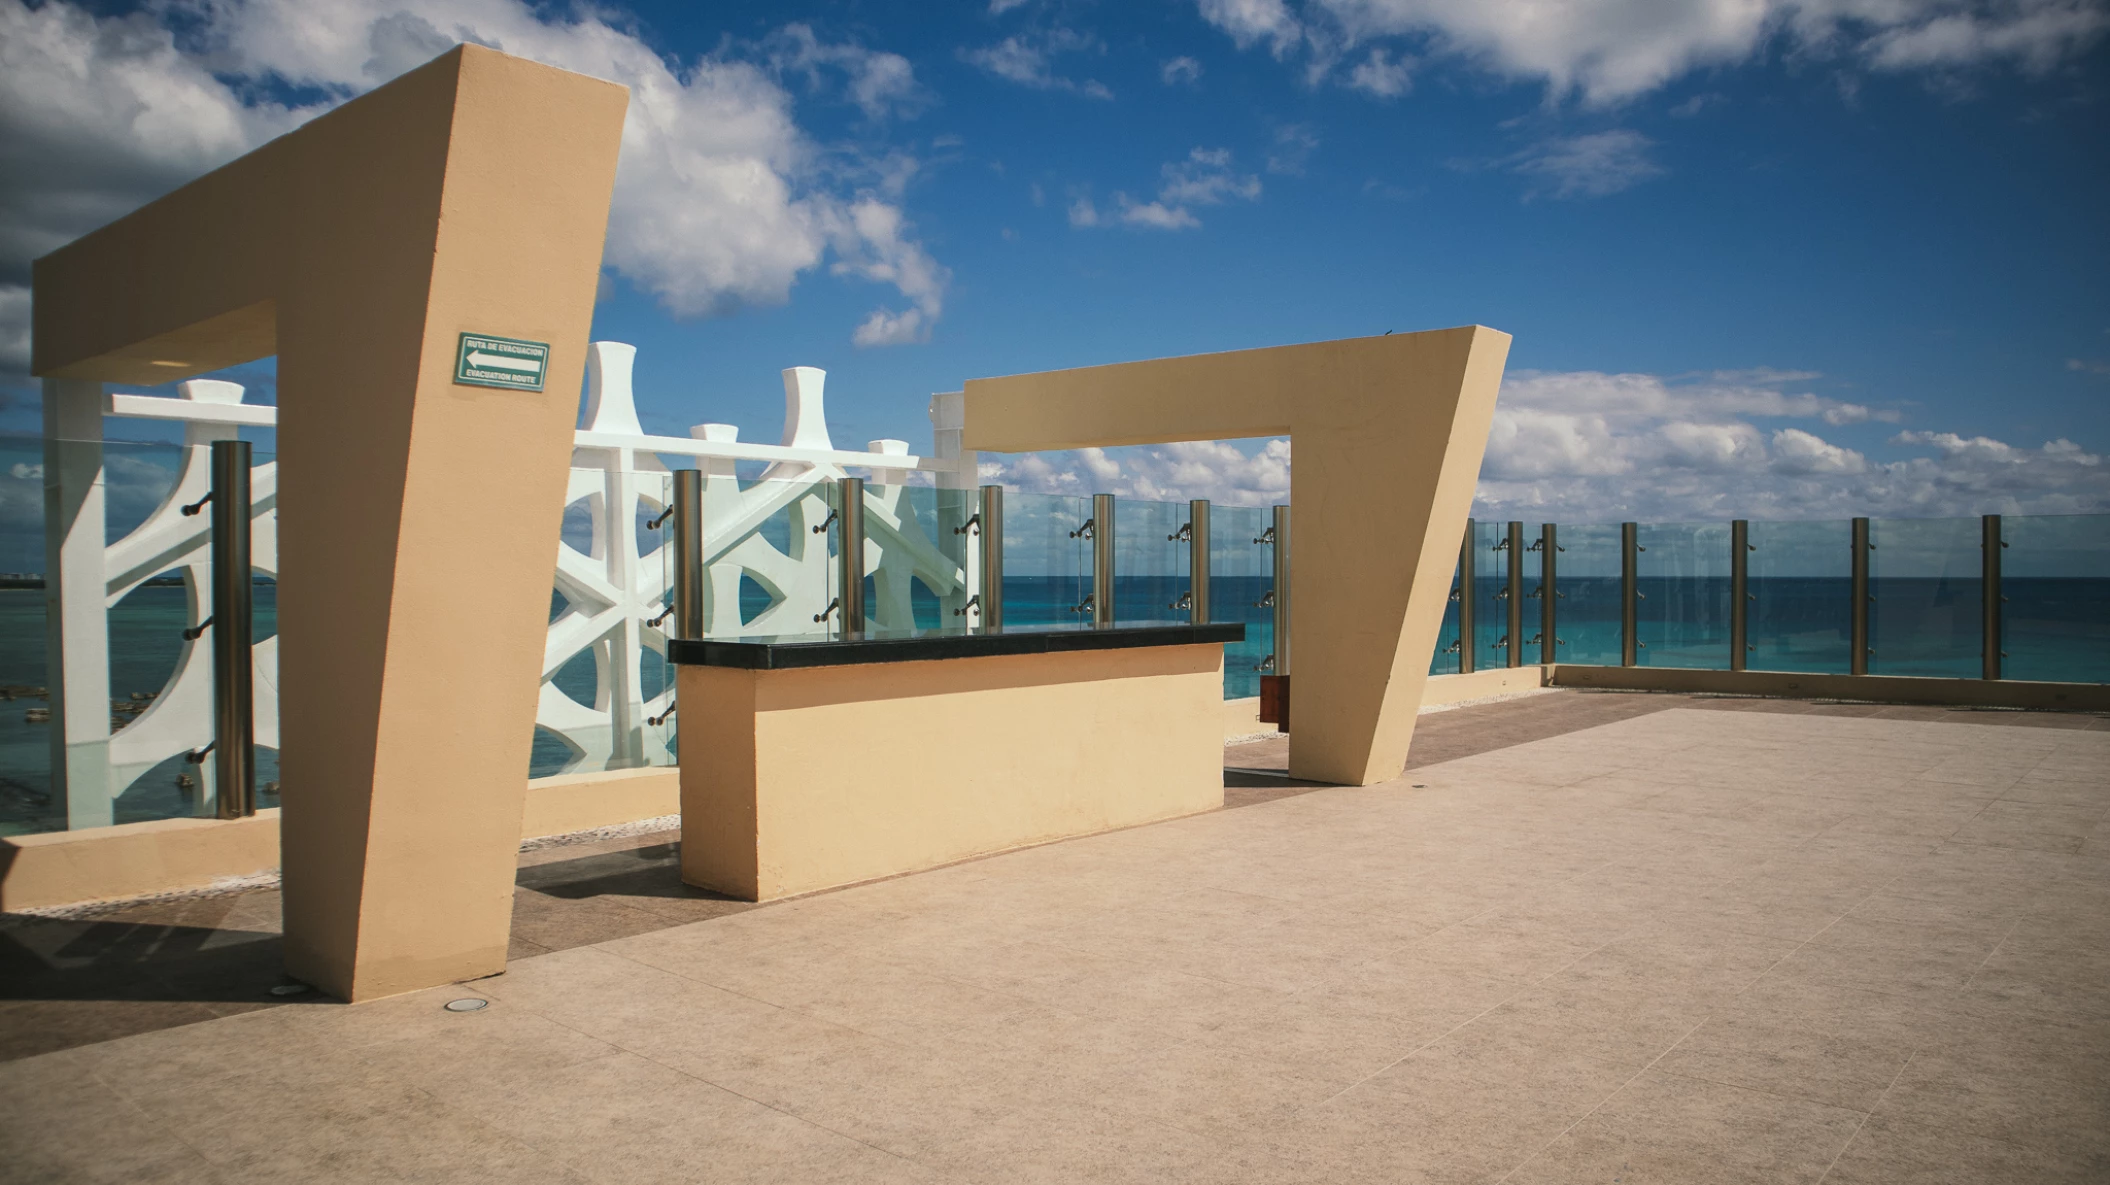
<point x="486" y="361"/>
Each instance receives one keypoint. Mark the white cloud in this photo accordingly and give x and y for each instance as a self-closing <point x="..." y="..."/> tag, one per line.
<point x="1294" y="144"/>
<point x="14" y="327"/>
<point x="1595" y="165"/>
<point x="1586" y="447"/>
<point x="1204" y="178"/>
<point x="1796" y="451"/>
<point x="879" y="251"/>
<point x="721" y="198"/>
<point x="1218" y="470"/>
<point x="1380" y="74"/>
<point x="2088" y="366"/>
<point x="1180" y="71"/>
<point x="881" y="84"/>
<point x="1028" y="60"/>
<point x="1606" y="51"/>
<point x="1253" y="22"/>
<point x="1156" y="215"/>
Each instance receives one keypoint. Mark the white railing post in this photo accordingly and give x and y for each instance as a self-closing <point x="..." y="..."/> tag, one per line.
<point x="76" y="615"/>
<point x="959" y="480"/>
<point x="611" y="591"/>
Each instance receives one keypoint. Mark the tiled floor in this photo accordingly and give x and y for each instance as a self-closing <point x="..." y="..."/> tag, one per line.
<point x="1642" y="945"/>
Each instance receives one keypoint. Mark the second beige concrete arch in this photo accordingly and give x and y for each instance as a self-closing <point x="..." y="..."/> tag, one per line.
<point x="1389" y="433"/>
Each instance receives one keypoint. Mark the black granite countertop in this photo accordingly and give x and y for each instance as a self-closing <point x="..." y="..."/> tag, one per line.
<point x="810" y="650"/>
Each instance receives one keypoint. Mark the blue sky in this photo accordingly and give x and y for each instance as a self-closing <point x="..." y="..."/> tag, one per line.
<point x="1793" y="258"/>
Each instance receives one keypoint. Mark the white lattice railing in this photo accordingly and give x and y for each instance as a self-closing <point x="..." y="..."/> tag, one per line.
<point x="613" y="588"/>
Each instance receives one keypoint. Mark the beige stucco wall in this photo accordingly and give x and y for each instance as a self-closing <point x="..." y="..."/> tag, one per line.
<point x="1458" y="689"/>
<point x="1388" y="433"/>
<point x="416" y="515"/>
<point x="799" y="780"/>
<point x="133" y="859"/>
<point x="582" y="802"/>
<point x="173" y="855"/>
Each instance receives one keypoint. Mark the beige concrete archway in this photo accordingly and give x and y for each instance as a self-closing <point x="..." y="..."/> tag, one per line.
<point x="469" y="196"/>
<point x="1388" y="433"/>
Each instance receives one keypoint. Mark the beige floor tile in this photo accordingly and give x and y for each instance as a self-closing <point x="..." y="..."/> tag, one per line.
<point x="1665" y="1128"/>
<point x="1493" y="947"/>
<point x="1694" y="944"/>
<point x="2006" y="1093"/>
<point x="1892" y="1152"/>
<point x="63" y="1125"/>
<point x="1062" y="1144"/>
<point x="629" y="1119"/>
<point x="1424" y="999"/>
<point x="1482" y="1101"/>
<point x="1790" y="1056"/>
<point x="1626" y="1028"/>
<point x="1698" y="967"/>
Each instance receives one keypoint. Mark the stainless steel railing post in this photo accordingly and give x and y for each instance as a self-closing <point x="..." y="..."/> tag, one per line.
<point x="1858" y="651"/>
<point x="1514" y="589"/>
<point x="1989" y="594"/>
<point x="1198" y="561"/>
<point x="1102" y="559"/>
<point x="1629" y="593"/>
<point x="1549" y="592"/>
<point x="233" y="590"/>
<point x="1282" y="590"/>
<point x="1465" y="601"/>
<point x="992" y="544"/>
<point x="850" y="567"/>
<point x="1739" y="592"/>
<point x="688" y="554"/>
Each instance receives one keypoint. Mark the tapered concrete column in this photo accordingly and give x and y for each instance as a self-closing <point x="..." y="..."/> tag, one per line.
<point x="1388" y="432"/>
<point x="417" y="513"/>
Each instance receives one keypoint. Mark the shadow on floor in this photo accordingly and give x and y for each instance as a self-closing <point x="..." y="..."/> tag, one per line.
<point x="49" y="959"/>
<point x="68" y="983"/>
<point x="653" y="871"/>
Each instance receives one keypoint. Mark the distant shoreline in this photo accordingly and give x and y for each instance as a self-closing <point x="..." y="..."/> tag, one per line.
<point x="156" y="582"/>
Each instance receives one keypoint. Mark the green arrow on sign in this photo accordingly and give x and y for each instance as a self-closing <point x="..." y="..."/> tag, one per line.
<point x="507" y="363"/>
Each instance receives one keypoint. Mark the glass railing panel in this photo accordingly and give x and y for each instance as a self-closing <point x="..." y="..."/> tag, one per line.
<point x="1047" y="564"/>
<point x="606" y="681"/>
<point x="1444" y="659"/>
<point x="1682" y="576"/>
<point x="136" y="578"/>
<point x="1800" y="585"/>
<point x="915" y="570"/>
<point x="1490" y="596"/>
<point x="2055" y="578"/>
<point x="1150" y="562"/>
<point x="923" y="557"/>
<point x="1241" y="571"/>
<point x="1587" y="610"/>
<point x="1923" y="587"/>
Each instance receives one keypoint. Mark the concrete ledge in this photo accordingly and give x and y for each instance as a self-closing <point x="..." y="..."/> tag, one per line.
<point x="582" y="802"/>
<point x="1242" y="718"/>
<point x="1895" y="689"/>
<point x="133" y="859"/>
<point x="1456" y="689"/>
<point x="173" y="855"/>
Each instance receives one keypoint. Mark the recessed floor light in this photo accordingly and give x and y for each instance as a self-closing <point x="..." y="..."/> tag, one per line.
<point x="471" y="1004"/>
<point x="291" y="989"/>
